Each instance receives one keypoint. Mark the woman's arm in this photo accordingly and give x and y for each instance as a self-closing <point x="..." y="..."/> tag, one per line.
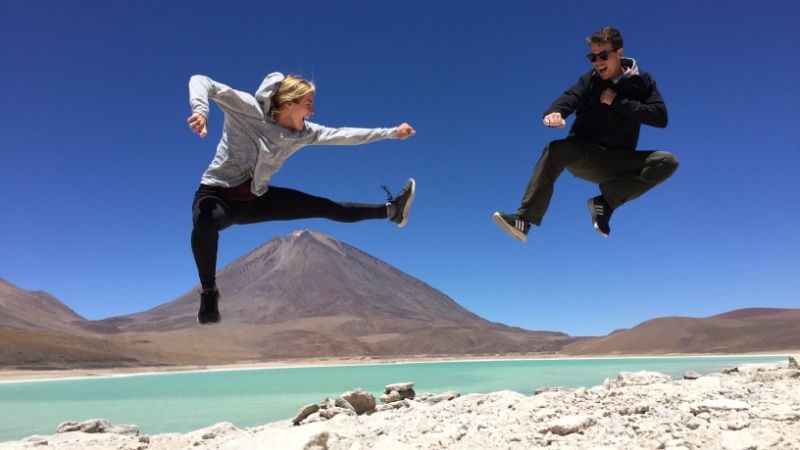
<point x="202" y="88"/>
<point x="356" y="136"/>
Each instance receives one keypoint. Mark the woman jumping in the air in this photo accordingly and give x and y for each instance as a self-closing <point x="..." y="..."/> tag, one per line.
<point x="258" y="134"/>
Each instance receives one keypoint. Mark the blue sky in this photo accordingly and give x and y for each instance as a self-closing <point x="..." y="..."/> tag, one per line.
<point x="99" y="167"/>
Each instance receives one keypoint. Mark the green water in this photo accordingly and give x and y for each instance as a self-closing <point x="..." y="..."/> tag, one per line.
<point x="182" y="402"/>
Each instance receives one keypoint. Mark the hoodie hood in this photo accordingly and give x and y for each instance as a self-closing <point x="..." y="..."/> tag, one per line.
<point x="629" y="69"/>
<point x="267" y="89"/>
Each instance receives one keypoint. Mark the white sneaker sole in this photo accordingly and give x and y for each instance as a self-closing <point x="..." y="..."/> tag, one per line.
<point x="408" y="203"/>
<point x="515" y="233"/>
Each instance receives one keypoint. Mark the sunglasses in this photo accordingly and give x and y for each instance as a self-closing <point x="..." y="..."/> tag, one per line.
<point x="592" y="57"/>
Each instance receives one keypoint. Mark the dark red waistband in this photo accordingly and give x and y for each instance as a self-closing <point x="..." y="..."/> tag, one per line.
<point x="240" y="193"/>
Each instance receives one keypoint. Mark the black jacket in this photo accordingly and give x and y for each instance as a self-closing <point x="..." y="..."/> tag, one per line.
<point x="617" y="126"/>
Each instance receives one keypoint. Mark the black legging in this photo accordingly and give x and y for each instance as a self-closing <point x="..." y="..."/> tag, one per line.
<point x="211" y="213"/>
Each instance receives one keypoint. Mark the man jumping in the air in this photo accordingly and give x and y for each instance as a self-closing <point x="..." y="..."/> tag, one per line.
<point x="610" y="102"/>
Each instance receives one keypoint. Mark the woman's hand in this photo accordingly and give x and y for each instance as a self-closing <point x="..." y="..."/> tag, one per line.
<point x="404" y="130"/>
<point x="197" y="122"/>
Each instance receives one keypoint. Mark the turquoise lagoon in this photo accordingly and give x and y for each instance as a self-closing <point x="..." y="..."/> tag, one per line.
<point x="185" y="401"/>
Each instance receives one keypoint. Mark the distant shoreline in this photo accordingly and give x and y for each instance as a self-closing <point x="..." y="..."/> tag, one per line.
<point x="29" y="375"/>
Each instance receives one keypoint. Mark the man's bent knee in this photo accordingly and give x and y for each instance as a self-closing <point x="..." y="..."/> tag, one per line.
<point x="665" y="162"/>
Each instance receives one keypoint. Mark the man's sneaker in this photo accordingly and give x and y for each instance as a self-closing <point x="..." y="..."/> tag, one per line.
<point x="208" y="313"/>
<point x="402" y="203"/>
<point x="601" y="213"/>
<point x="513" y="224"/>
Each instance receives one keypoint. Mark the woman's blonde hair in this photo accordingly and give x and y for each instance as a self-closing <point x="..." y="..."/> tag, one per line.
<point x="291" y="90"/>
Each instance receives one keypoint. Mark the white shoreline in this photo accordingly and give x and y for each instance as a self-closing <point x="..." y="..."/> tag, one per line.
<point x="22" y="376"/>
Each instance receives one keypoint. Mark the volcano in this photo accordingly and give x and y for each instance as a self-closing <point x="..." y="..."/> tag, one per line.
<point x="307" y="294"/>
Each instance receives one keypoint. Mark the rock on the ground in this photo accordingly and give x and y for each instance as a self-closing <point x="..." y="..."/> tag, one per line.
<point x="97" y="426"/>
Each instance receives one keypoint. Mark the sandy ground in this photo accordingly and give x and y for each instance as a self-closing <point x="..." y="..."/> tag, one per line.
<point x="12" y="375"/>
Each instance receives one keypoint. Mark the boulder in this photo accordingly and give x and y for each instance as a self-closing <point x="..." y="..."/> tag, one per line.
<point x="408" y="394"/>
<point x="398" y="391"/>
<point x="399" y="387"/>
<point x="98" y="426"/>
<point x="391" y="397"/>
<point x="305" y="411"/>
<point x="690" y="375"/>
<point x="216" y="431"/>
<point x="339" y="402"/>
<point x="330" y="413"/>
<point x="641" y="378"/>
<point x="392" y="406"/>
<point x="429" y="398"/>
<point x="570" y="424"/>
<point x="549" y="389"/>
<point x="126" y="430"/>
<point x="86" y="426"/>
<point x="362" y="402"/>
<point x="331" y="407"/>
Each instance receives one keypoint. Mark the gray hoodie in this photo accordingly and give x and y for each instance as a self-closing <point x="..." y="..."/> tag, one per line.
<point x="253" y="146"/>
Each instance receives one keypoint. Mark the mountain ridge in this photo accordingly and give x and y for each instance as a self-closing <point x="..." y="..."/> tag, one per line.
<point x="308" y="295"/>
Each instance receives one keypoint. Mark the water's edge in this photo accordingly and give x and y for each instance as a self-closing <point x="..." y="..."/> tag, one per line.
<point x="184" y="401"/>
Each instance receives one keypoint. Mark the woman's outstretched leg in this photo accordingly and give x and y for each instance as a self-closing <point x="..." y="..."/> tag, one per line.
<point x="290" y="204"/>
<point x="212" y="212"/>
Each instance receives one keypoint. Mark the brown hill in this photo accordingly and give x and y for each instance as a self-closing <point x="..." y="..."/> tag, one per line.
<point x="42" y="349"/>
<point x="740" y="331"/>
<point x="35" y="310"/>
<point x="37" y="330"/>
<point x="780" y="314"/>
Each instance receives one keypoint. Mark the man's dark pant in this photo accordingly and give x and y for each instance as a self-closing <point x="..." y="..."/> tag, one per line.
<point x="622" y="175"/>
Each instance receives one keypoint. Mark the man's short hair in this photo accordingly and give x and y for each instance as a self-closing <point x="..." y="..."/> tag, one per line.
<point x="606" y="34"/>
